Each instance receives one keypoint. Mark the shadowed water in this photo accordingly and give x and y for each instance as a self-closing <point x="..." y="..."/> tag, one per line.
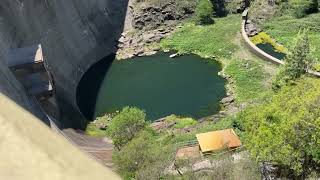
<point x="268" y="48"/>
<point x="186" y="86"/>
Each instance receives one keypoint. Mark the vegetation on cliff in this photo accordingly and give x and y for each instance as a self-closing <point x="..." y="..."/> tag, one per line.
<point x="124" y="126"/>
<point x="285" y="130"/>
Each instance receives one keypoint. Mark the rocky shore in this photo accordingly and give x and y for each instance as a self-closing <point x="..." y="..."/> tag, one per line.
<point x="141" y="43"/>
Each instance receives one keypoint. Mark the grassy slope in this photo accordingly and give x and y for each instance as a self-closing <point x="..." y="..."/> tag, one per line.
<point x="207" y="41"/>
<point x="284" y="29"/>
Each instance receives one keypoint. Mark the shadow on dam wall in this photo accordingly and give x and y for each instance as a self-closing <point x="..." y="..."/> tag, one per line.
<point x="74" y="34"/>
<point x="89" y="86"/>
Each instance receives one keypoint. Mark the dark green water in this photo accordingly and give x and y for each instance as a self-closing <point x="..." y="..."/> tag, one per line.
<point x="268" y="48"/>
<point x="186" y="86"/>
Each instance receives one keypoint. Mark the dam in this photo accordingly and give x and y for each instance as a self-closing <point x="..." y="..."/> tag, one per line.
<point x="74" y="35"/>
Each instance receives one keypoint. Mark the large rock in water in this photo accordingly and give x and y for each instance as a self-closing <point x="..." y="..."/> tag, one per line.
<point x="74" y="35"/>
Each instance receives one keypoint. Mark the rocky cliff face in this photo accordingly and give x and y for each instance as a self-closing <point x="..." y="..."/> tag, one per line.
<point x="152" y="14"/>
<point x="74" y="35"/>
<point x="151" y="21"/>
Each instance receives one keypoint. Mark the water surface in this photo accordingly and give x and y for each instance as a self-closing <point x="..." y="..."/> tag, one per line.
<point x="269" y="49"/>
<point x="186" y="86"/>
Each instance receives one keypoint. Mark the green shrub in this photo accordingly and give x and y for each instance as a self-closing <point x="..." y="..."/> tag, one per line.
<point x="285" y="131"/>
<point x="204" y="12"/>
<point x="298" y="61"/>
<point x="126" y="125"/>
<point x="141" y="158"/>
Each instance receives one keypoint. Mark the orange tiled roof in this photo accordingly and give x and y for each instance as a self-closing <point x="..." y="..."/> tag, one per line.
<point x="218" y="140"/>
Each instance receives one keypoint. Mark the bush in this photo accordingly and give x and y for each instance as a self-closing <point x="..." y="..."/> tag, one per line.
<point x="142" y="157"/>
<point x="285" y="131"/>
<point x="126" y="125"/>
<point x="204" y="12"/>
<point x="298" y="61"/>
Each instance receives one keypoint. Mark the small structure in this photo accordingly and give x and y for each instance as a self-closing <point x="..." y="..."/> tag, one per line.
<point x="218" y="140"/>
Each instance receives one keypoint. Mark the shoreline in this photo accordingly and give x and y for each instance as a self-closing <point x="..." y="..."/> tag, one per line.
<point x="149" y="45"/>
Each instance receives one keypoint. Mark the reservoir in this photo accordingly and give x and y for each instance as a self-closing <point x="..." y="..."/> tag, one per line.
<point x="186" y="86"/>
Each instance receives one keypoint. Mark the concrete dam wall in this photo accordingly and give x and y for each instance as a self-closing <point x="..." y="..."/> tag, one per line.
<point x="74" y="34"/>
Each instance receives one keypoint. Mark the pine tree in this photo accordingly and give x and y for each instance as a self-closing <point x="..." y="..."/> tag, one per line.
<point x="298" y="61"/>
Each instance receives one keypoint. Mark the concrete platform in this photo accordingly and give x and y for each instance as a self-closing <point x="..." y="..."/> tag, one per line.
<point x="25" y="57"/>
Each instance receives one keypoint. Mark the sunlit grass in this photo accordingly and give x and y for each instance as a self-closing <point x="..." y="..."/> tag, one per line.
<point x="284" y="29"/>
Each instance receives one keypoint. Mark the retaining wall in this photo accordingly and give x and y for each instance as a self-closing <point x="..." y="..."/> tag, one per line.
<point x="257" y="51"/>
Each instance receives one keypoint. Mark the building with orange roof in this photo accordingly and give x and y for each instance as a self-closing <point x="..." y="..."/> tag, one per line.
<point x="218" y="140"/>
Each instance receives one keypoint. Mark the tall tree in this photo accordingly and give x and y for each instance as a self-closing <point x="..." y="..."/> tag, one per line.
<point x="298" y="61"/>
<point x="219" y="8"/>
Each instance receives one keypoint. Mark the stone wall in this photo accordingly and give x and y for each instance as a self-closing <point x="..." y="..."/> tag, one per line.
<point x="74" y="35"/>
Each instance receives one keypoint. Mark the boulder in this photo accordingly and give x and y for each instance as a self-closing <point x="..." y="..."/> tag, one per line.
<point x="227" y="100"/>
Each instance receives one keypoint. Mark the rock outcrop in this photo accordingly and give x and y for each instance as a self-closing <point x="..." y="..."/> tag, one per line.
<point x="150" y="22"/>
<point x="153" y="14"/>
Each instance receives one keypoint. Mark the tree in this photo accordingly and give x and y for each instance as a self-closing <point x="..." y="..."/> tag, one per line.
<point x="204" y="12"/>
<point x="286" y="130"/>
<point x="126" y="125"/>
<point x="219" y="8"/>
<point x="298" y="61"/>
